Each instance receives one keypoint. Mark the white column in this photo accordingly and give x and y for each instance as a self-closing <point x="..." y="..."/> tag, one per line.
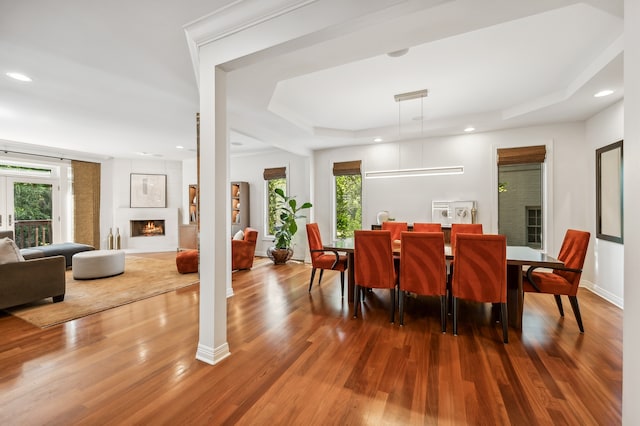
<point x="212" y="344"/>
<point x="631" y="347"/>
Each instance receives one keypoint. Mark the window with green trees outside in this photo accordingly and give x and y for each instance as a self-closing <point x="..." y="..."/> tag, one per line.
<point x="273" y="219"/>
<point x="348" y="205"/>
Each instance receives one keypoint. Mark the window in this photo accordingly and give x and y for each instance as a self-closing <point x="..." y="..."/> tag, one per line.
<point x="520" y="212"/>
<point x="274" y="178"/>
<point x="348" y="198"/>
<point x="534" y="227"/>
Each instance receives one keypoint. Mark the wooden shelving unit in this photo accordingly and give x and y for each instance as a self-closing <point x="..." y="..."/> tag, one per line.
<point x="239" y="206"/>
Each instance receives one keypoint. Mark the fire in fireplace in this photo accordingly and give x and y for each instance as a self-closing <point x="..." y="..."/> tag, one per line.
<point x="147" y="228"/>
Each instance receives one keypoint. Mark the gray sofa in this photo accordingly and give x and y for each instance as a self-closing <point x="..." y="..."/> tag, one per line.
<point x="32" y="280"/>
<point x="57" y="249"/>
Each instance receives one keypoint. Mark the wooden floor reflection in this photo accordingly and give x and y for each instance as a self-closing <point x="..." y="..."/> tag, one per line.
<point x="300" y="358"/>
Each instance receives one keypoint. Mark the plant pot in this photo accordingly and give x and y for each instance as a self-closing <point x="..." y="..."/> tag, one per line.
<point x="279" y="256"/>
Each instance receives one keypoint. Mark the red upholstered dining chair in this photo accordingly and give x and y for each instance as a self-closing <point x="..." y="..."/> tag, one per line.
<point x="461" y="228"/>
<point x="423" y="269"/>
<point x="427" y="227"/>
<point x="243" y="251"/>
<point x="563" y="281"/>
<point x="324" y="259"/>
<point x="396" y="228"/>
<point x="480" y="274"/>
<point x="373" y="263"/>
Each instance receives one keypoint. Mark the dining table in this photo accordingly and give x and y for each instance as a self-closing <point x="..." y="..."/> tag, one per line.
<point x="518" y="258"/>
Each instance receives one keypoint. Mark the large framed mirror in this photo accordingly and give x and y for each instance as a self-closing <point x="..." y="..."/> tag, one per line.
<point x="609" y="183"/>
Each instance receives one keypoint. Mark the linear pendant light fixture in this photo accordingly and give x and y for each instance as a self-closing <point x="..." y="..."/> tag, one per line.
<point x="428" y="171"/>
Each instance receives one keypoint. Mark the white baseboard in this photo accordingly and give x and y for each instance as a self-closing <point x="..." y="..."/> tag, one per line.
<point x="212" y="356"/>
<point x="606" y="295"/>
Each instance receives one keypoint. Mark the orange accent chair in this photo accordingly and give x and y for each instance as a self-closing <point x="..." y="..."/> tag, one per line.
<point x="187" y="261"/>
<point x="481" y="274"/>
<point x="563" y="281"/>
<point x="427" y="227"/>
<point x="396" y="228"/>
<point x="324" y="259"/>
<point x="243" y="251"/>
<point x="373" y="262"/>
<point x="423" y="269"/>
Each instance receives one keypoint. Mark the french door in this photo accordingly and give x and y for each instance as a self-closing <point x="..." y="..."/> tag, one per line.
<point x="29" y="207"/>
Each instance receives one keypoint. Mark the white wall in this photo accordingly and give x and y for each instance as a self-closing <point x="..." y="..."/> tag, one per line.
<point x="249" y="168"/>
<point x="409" y="199"/>
<point x="115" y="190"/>
<point x="601" y="130"/>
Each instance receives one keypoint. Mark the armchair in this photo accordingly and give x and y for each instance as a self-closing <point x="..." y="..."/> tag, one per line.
<point x="243" y="251"/>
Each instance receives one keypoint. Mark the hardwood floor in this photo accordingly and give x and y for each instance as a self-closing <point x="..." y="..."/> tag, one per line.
<point x="300" y="358"/>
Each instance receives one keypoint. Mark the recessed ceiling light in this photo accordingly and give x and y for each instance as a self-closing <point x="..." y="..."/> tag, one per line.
<point x="377" y="140"/>
<point x="603" y="93"/>
<point x="469" y="129"/>
<point x="20" y="77"/>
<point x="236" y="143"/>
<point x="179" y="147"/>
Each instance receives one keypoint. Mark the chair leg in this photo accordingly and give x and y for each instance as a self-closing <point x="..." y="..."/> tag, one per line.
<point x="320" y="277"/>
<point x="443" y="313"/>
<point x="393" y="305"/>
<point x="313" y="274"/>
<point x="455" y="316"/>
<point x="342" y="284"/>
<point x="505" y="326"/>
<point x="356" y="300"/>
<point x="576" y="311"/>
<point x="401" y="296"/>
<point x="559" y="303"/>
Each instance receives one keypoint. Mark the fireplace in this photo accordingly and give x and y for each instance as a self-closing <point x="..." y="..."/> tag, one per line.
<point x="147" y="228"/>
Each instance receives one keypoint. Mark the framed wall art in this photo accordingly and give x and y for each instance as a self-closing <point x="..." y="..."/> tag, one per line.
<point x="148" y="190"/>
<point x="609" y="182"/>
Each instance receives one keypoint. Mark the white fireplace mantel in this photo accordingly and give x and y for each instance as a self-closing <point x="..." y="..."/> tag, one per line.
<point x="166" y="242"/>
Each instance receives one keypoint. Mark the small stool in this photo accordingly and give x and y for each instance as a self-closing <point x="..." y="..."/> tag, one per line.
<point x="187" y="261"/>
<point x="97" y="264"/>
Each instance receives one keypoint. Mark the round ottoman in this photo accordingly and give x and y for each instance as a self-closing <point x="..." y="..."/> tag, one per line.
<point x="97" y="264"/>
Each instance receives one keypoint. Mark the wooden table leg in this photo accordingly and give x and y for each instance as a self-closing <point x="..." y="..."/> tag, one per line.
<point x="350" y="277"/>
<point x="515" y="295"/>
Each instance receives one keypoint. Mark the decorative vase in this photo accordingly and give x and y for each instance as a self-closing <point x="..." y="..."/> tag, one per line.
<point x="279" y="256"/>
<point x="382" y="216"/>
<point x="110" y="240"/>
<point x="117" y="240"/>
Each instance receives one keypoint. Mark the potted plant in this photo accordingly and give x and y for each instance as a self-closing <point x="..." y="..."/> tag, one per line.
<point x="288" y="208"/>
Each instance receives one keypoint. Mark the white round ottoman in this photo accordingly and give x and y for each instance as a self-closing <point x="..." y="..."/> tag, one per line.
<point x="87" y="265"/>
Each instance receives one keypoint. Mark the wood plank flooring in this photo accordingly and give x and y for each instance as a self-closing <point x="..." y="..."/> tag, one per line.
<point x="300" y="358"/>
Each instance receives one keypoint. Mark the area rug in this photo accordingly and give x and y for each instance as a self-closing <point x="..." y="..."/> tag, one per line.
<point x="143" y="277"/>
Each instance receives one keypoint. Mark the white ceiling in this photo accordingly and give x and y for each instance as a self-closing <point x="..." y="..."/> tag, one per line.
<point x="115" y="79"/>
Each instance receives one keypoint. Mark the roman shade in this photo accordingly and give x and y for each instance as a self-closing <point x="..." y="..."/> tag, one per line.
<point x="347" y="168"/>
<point x="275" y="173"/>
<point x="522" y="155"/>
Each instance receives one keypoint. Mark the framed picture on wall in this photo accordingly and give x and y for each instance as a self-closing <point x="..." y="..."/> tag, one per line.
<point x="148" y="190"/>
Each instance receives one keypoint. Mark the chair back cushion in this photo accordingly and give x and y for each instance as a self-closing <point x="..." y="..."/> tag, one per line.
<point x="395" y="227"/>
<point x="481" y="268"/>
<point x="251" y="235"/>
<point x="463" y="228"/>
<point x="572" y="253"/>
<point x="427" y="227"/>
<point x="373" y="258"/>
<point x="315" y="240"/>
<point x="423" y="268"/>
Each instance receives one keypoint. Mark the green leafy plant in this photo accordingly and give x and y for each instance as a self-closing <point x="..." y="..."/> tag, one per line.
<point x="288" y="213"/>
